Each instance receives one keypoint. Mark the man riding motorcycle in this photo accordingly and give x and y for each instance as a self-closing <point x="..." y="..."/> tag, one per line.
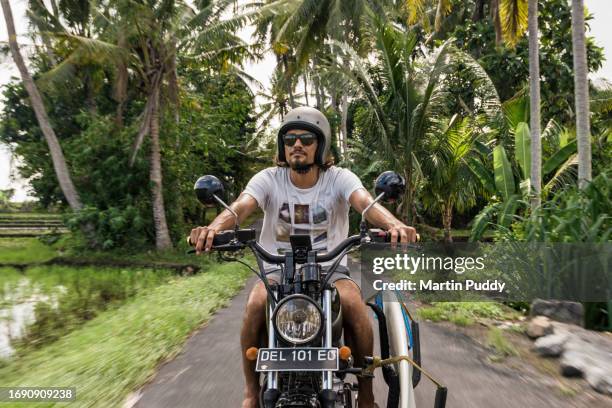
<point x="305" y="194"/>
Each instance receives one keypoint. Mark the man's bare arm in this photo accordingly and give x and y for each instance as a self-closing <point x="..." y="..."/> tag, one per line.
<point x="203" y="237"/>
<point x="381" y="217"/>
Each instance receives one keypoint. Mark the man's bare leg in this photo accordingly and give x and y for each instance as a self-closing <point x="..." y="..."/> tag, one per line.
<point x="253" y="326"/>
<point x="358" y="332"/>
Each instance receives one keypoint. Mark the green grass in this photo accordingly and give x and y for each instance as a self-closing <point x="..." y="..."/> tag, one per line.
<point x="118" y="351"/>
<point x="498" y="342"/>
<point x="80" y="295"/>
<point x="25" y="250"/>
<point x="466" y="313"/>
<point x="27" y="215"/>
<point x="31" y="250"/>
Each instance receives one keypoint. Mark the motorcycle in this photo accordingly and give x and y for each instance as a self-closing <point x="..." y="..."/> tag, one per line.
<point x="305" y="363"/>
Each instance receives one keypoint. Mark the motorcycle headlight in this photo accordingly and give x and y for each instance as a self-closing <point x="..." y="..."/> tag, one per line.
<point x="297" y="319"/>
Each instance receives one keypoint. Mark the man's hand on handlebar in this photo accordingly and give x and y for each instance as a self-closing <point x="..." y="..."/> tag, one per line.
<point x="203" y="238"/>
<point x="403" y="233"/>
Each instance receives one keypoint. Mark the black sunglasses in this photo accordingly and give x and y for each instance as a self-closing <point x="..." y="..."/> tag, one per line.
<point x="306" y="138"/>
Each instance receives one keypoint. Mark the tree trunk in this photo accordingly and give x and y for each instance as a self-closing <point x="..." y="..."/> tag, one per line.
<point x="534" y="103"/>
<point x="343" y="123"/>
<point x="306" y="89"/>
<point x="57" y="156"/>
<point x="291" y="98"/>
<point x="447" y="219"/>
<point x="120" y="85"/>
<point x="54" y="8"/>
<point x="318" y="95"/>
<point x="581" y="92"/>
<point x="496" y="22"/>
<point x="315" y="84"/>
<point x="478" y="10"/>
<point x="289" y="81"/>
<point x="162" y="236"/>
<point x="90" y="99"/>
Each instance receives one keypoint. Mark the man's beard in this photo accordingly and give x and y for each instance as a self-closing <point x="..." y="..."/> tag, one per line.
<point x="301" y="168"/>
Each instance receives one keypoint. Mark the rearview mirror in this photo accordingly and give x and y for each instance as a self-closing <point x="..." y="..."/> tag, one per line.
<point x="389" y="187"/>
<point x="209" y="191"/>
<point x="206" y="188"/>
<point x="391" y="184"/>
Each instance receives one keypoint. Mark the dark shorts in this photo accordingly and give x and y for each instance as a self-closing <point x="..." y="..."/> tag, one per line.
<point x="341" y="272"/>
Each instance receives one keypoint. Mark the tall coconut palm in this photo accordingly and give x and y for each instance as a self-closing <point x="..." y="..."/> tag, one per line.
<point x="534" y="106"/>
<point x="57" y="156"/>
<point x="581" y="92"/>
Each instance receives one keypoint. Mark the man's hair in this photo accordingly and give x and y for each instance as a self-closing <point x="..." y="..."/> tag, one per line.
<point x="329" y="161"/>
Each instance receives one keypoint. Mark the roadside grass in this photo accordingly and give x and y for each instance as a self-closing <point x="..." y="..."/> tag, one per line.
<point x="498" y="342"/>
<point x="466" y="313"/>
<point x="118" y="350"/>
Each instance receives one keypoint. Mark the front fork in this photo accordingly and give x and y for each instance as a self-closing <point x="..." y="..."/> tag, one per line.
<point x="327" y="396"/>
<point x="272" y="392"/>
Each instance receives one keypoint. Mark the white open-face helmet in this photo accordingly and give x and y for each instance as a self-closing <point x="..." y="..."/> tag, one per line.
<point x="310" y="119"/>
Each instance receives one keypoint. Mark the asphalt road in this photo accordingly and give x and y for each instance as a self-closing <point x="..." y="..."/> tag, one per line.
<point x="208" y="372"/>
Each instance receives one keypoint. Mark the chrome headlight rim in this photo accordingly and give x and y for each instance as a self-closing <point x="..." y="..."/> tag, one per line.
<point x="288" y="299"/>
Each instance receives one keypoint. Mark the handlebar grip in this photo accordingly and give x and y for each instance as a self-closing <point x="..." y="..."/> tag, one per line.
<point x="379" y="235"/>
<point x="221" y="238"/>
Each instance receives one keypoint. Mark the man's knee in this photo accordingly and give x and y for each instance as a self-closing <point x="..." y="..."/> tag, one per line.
<point x="257" y="298"/>
<point x="350" y="296"/>
<point x="255" y="312"/>
<point x="354" y="309"/>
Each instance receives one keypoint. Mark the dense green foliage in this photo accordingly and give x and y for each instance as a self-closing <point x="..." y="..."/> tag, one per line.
<point x="209" y="139"/>
<point x="509" y="67"/>
<point x="443" y="102"/>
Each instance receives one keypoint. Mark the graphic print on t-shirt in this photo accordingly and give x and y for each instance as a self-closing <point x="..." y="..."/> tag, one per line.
<point x="300" y="214"/>
<point x="312" y="220"/>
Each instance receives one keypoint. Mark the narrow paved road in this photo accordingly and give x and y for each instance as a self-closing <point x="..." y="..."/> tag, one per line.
<point x="208" y="373"/>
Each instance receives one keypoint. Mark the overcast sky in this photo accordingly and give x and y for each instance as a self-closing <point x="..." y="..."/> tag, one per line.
<point x="601" y="29"/>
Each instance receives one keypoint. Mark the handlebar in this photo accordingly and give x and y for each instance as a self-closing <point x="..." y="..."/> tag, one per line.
<point x="234" y="240"/>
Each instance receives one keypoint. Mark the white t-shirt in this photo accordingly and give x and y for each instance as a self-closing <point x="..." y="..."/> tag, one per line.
<point x="320" y="211"/>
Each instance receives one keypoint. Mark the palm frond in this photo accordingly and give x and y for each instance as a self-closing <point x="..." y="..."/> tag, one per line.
<point x="415" y="9"/>
<point x="513" y="15"/>
<point x="565" y="174"/>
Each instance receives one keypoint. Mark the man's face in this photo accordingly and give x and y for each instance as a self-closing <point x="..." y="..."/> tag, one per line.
<point x="300" y="154"/>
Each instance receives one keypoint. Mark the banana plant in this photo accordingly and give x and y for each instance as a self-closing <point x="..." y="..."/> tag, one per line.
<point x="511" y="178"/>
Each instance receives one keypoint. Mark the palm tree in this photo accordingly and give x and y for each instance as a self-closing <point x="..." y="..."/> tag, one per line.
<point x="581" y="92"/>
<point x="298" y="33"/>
<point x="57" y="156"/>
<point x="451" y="184"/>
<point x="534" y="104"/>
<point x="145" y="39"/>
<point x="406" y="99"/>
<point x="511" y="18"/>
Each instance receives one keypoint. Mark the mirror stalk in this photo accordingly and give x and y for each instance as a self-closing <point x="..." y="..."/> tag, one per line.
<point x="228" y="208"/>
<point x="363" y="227"/>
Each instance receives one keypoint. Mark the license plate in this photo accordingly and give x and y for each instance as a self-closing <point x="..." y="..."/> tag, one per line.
<point x="297" y="359"/>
